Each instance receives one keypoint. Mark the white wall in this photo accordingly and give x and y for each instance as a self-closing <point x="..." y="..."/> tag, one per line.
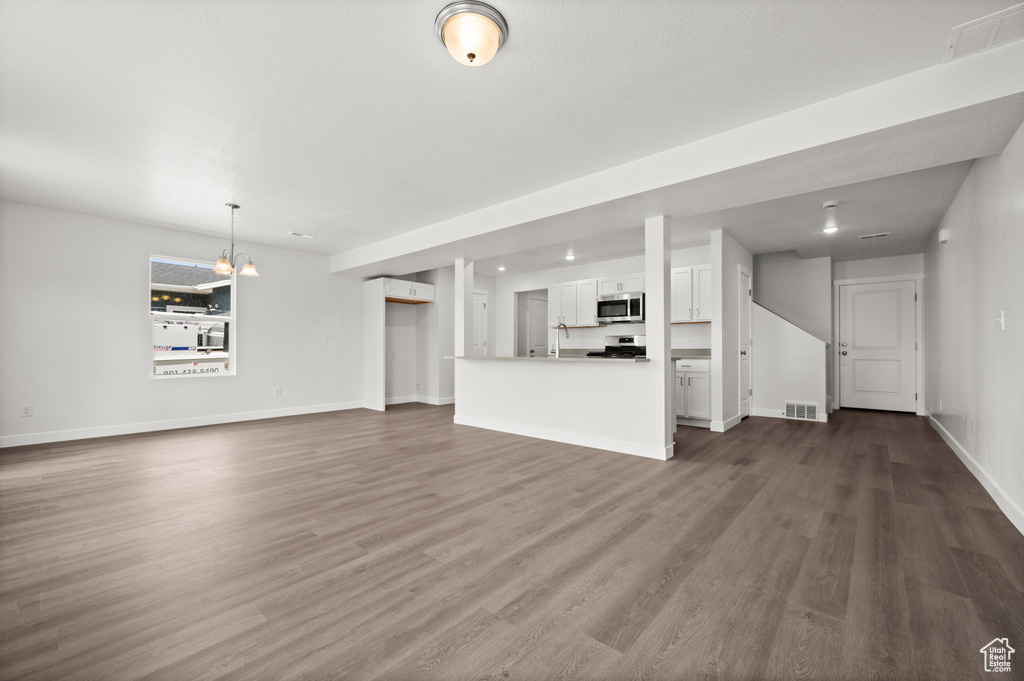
<point x="400" y="351"/>
<point x="727" y="256"/>
<point x="974" y="370"/>
<point x="435" y="333"/>
<point x="896" y="265"/>
<point x="797" y="289"/>
<point x="76" y="341"/>
<point x="788" y="364"/>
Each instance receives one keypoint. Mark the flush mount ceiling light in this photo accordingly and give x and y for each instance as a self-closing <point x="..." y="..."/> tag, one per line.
<point x="226" y="262"/>
<point x="570" y="256"/>
<point x="501" y="268"/>
<point x="472" y="31"/>
<point x="831" y="226"/>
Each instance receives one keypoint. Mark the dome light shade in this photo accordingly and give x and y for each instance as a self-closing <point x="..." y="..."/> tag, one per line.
<point x="223" y="266"/>
<point x="473" y="32"/>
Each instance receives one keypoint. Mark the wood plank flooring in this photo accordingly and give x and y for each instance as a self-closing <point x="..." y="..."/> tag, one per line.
<point x="396" y="545"/>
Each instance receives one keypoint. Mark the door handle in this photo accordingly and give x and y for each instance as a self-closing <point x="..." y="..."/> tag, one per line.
<point x="843" y="352"/>
<point x="743" y="352"/>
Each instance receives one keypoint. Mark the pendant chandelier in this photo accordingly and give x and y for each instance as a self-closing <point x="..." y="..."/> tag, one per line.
<point x="226" y="262"/>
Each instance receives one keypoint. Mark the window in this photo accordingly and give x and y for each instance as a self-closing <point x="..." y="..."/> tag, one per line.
<point x="190" y="310"/>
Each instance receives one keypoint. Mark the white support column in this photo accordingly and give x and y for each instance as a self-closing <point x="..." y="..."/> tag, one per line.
<point x="463" y="307"/>
<point x="373" y="344"/>
<point x="657" y="262"/>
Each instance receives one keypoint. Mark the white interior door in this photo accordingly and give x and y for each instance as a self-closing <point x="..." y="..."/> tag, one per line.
<point x="746" y="296"/>
<point x="877" y="346"/>
<point x="538" y="327"/>
<point x="479" y="323"/>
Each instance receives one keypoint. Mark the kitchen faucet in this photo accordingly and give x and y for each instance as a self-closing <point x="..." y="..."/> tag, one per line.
<point x="561" y="325"/>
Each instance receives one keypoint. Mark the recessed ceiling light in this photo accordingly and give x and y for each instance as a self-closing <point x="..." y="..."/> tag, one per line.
<point x="501" y="268"/>
<point x="570" y="256"/>
<point x="304" y="236"/>
<point x="831" y="230"/>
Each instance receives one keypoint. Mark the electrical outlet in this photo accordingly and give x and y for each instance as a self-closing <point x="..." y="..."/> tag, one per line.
<point x="328" y="338"/>
<point x="26" y="410"/>
<point x="940" y="404"/>
<point x="689" y="337"/>
<point x="417" y="387"/>
<point x="277" y="392"/>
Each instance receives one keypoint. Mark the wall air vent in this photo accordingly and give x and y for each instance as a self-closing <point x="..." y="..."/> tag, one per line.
<point x="985" y="33"/>
<point x="874" y="236"/>
<point x="801" y="411"/>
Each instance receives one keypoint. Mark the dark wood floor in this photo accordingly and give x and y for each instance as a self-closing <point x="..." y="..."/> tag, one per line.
<point x="359" y="545"/>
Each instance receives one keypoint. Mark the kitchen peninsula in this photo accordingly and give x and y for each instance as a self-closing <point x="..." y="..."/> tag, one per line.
<point x="622" y="405"/>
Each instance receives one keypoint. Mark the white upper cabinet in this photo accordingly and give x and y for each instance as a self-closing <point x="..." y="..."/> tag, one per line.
<point x="621" y="284"/>
<point x="555" y="305"/>
<point x="702" y="293"/>
<point x="691" y="294"/>
<point x="563" y="304"/>
<point x="570" y="304"/>
<point x="633" y="282"/>
<point x="682" y="294"/>
<point x="409" y="290"/>
<point x="587" y="302"/>
<point x="573" y="303"/>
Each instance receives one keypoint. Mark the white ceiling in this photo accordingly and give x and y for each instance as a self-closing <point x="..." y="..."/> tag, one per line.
<point x="349" y="121"/>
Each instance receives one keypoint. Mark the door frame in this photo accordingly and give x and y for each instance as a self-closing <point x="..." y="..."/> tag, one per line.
<point x="486" y="321"/>
<point x="918" y="334"/>
<point x="746" y="304"/>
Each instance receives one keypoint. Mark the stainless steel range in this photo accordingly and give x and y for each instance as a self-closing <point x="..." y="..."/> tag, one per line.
<point x="622" y="347"/>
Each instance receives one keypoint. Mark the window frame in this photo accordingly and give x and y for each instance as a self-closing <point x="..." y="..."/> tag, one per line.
<point x="231" y="318"/>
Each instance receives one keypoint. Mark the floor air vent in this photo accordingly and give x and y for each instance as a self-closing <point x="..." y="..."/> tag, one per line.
<point x="801" y="411"/>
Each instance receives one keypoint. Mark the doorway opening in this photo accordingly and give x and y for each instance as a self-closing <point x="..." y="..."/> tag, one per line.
<point x="532" y="323"/>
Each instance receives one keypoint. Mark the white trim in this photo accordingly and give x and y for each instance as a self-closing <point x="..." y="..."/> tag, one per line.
<point x="401" y="400"/>
<point x="622" y="446"/>
<point x="878" y="280"/>
<point x="722" y="426"/>
<point x="748" y="301"/>
<point x="837" y="402"/>
<point x="437" y="401"/>
<point x="1007" y="505"/>
<point x="779" y="414"/>
<point x="173" y="424"/>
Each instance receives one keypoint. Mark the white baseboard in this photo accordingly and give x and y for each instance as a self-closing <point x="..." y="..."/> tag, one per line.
<point x="172" y="424"/>
<point x="622" y="446"/>
<point x="1007" y="505"/>
<point x="437" y="401"/>
<point x="722" y="426"/>
<point x="778" y="414"/>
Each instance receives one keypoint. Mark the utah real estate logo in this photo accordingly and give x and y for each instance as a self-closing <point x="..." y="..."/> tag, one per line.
<point x="997" y="655"/>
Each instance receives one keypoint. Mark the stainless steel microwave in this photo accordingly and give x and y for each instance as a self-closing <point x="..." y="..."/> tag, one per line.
<point x="620" y="308"/>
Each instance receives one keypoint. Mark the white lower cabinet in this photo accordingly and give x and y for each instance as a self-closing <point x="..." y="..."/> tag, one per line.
<point x="693" y="389"/>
